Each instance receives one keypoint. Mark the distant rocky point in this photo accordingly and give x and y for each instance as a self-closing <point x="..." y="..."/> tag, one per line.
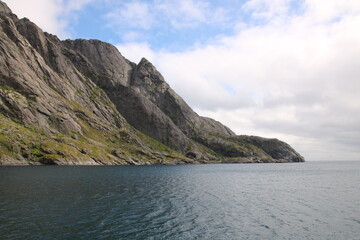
<point x="80" y="102"/>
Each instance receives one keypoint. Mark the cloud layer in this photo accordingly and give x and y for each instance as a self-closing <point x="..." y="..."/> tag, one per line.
<point x="53" y="16"/>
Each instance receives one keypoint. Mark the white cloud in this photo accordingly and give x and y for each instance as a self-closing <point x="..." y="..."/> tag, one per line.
<point x="328" y="10"/>
<point x="70" y="5"/>
<point x="190" y="13"/>
<point x="268" y="9"/>
<point x="163" y="17"/>
<point x="52" y="16"/>
<point x="43" y="12"/>
<point x="184" y="13"/>
<point x="134" y="51"/>
<point x="135" y="14"/>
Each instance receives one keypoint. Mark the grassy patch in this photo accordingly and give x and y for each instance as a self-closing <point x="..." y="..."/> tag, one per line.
<point x="31" y="144"/>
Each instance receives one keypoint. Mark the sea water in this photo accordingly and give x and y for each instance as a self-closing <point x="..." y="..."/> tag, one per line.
<point x="312" y="200"/>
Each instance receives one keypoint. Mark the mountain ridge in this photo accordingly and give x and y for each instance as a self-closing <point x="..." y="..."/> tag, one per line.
<point x="81" y="102"/>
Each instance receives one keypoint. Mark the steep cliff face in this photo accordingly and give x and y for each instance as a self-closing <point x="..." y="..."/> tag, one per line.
<point x="82" y="102"/>
<point x="142" y="96"/>
<point x="51" y="113"/>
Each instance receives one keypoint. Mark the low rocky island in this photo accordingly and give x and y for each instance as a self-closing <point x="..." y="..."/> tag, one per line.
<point x="80" y="102"/>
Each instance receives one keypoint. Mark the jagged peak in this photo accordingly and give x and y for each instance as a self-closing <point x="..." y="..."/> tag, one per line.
<point x="4" y="8"/>
<point x="147" y="72"/>
<point x="144" y="61"/>
<point x="146" y="64"/>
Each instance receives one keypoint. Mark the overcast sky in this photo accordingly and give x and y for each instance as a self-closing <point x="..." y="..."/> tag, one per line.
<point x="288" y="69"/>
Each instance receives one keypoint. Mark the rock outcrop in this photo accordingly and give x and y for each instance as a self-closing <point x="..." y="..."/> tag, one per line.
<point x="81" y="102"/>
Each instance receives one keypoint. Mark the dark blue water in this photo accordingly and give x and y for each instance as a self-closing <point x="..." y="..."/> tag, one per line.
<point x="259" y="201"/>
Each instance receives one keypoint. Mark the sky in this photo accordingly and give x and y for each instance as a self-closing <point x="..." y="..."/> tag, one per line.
<point x="286" y="69"/>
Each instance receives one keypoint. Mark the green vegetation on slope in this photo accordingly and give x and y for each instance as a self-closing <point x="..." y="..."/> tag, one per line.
<point x="25" y="145"/>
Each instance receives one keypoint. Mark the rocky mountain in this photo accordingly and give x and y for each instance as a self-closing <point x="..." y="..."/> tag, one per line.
<point x="81" y="102"/>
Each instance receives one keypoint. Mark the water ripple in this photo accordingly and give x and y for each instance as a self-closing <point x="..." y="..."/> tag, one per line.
<point x="264" y="201"/>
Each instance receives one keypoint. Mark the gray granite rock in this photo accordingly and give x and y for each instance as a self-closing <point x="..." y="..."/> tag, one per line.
<point x="86" y="89"/>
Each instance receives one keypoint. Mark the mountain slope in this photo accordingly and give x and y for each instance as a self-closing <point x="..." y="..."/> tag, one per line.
<point x="68" y="119"/>
<point x="82" y="102"/>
